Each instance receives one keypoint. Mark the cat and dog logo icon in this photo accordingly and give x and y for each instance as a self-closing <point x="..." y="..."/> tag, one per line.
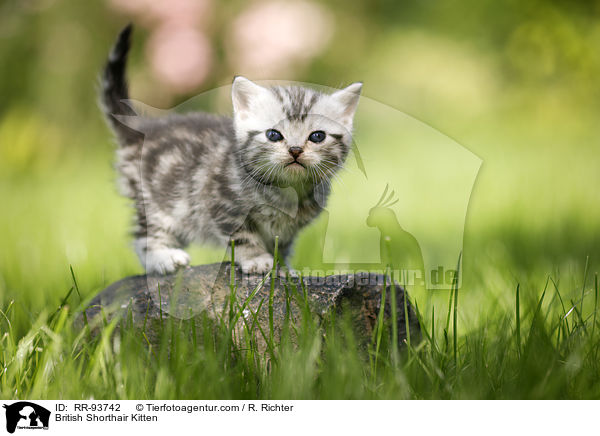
<point x="26" y="415"/>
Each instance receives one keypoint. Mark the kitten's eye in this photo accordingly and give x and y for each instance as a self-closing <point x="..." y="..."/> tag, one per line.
<point x="274" y="135"/>
<point x="317" y="136"/>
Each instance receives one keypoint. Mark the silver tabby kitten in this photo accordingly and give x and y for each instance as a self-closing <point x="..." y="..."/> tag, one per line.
<point x="209" y="178"/>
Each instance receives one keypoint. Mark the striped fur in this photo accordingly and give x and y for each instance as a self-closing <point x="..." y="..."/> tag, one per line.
<point x="205" y="178"/>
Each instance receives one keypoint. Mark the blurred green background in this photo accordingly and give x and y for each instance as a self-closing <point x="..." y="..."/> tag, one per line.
<point x="514" y="82"/>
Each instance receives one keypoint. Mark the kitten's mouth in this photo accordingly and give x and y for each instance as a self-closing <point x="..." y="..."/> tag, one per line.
<point x="295" y="164"/>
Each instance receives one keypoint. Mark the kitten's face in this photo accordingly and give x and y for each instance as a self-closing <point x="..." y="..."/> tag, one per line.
<point x="292" y="135"/>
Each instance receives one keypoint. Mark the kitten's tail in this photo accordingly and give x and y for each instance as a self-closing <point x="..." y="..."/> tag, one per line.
<point x="114" y="90"/>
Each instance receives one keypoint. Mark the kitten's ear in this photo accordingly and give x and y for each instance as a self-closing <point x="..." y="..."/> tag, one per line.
<point x="348" y="98"/>
<point x="243" y="91"/>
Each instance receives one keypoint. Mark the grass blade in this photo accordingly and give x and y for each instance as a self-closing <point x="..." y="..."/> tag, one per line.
<point x="272" y="289"/>
<point x="518" y="318"/>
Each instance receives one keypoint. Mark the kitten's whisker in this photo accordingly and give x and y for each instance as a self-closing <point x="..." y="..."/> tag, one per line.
<point x="331" y="170"/>
<point x="328" y="173"/>
<point x="331" y="162"/>
<point x="340" y="166"/>
<point x="253" y="175"/>
<point x="320" y="172"/>
<point x="337" y="178"/>
<point x="320" y="167"/>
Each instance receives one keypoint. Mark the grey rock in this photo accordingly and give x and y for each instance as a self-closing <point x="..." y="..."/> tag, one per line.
<point x="207" y="289"/>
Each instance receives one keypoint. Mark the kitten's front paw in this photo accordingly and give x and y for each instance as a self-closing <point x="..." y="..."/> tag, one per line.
<point x="257" y="265"/>
<point x="165" y="260"/>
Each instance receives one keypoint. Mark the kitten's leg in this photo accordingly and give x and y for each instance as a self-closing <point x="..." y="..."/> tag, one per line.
<point x="286" y="252"/>
<point x="251" y="255"/>
<point x="159" y="254"/>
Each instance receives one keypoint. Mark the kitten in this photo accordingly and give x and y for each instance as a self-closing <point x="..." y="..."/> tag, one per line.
<point x="209" y="178"/>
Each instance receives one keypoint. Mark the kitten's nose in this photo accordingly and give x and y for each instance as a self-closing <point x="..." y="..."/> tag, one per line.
<point x="295" y="151"/>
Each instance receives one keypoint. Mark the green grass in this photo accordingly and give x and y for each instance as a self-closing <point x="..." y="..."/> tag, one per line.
<point x="523" y="324"/>
<point x="515" y="84"/>
<point x="538" y="338"/>
<point x="558" y="357"/>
